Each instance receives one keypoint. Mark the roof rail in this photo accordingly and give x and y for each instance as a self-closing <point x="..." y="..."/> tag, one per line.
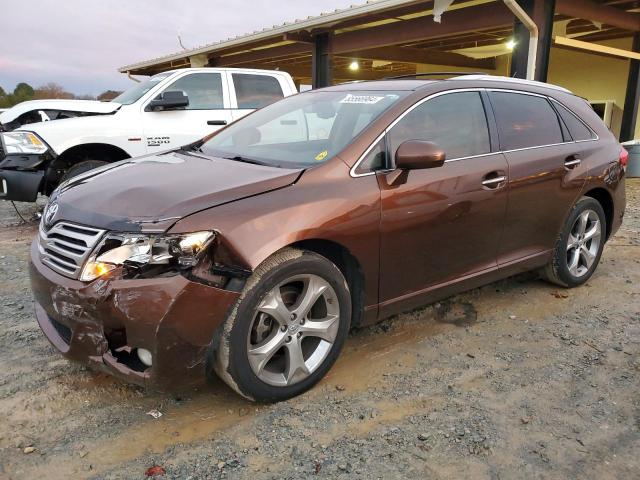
<point x="433" y="74"/>
<point x="498" y="78"/>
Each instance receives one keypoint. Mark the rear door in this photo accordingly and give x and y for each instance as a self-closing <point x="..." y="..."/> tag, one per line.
<point x="208" y="111"/>
<point x="545" y="176"/>
<point x="250" y="91"/>
<point x="441" y="224"/>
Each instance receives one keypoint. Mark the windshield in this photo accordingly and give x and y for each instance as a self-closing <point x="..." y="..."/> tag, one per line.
<point x="134" y="93"/>
<point x="302" y="130"/>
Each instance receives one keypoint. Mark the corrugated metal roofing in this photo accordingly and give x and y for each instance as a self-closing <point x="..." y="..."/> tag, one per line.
<point x="371" y="6"/>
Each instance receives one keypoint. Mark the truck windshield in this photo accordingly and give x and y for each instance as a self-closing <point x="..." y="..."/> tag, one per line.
<point x="134" y="93"/>
<point x="302" y="130"/>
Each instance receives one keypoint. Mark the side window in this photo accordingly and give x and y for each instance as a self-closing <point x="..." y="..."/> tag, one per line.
<point x="256" y="91"/>
<point x="374" y="160"/>
<point x="203" y="89"/>
<point x="455" y="121"/>
<point x="579" y="131"/>
<point x="525" y="121"/>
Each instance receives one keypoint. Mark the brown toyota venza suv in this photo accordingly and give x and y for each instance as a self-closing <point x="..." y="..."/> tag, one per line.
<point x="251" y="253"/>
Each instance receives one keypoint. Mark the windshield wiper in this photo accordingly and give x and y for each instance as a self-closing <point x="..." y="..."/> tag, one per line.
<point x="239" y="158"/>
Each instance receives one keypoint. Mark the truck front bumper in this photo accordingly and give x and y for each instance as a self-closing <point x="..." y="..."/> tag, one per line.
<point x="20" y="185"/>
<point x="21" y="176"/>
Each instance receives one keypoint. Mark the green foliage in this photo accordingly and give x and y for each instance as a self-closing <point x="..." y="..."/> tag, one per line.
<point x="21" y="93"/>
<point x="23" y="90"/>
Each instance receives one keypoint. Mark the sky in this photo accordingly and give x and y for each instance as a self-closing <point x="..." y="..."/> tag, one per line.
<point x="80" y="44"/>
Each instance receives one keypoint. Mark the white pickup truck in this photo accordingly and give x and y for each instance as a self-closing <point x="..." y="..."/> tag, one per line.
<point x="166" y="111"/>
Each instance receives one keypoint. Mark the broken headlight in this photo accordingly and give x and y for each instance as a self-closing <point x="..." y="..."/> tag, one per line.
<point x="140" y="251"/>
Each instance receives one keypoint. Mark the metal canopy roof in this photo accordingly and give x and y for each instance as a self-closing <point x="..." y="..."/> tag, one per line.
<point x="311" y="22"/>
<point x="389" y="37"/>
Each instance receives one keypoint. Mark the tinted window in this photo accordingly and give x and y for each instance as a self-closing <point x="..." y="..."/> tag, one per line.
<point x="456" y="122"/>
<point x="256" y="91"/>
<point x="203" y="89"/>
<point x="525" y="121"/>
<point x="374" y="160"/>
<point x="578" y="130"/>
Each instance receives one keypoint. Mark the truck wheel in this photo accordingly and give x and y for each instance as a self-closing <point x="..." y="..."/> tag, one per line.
<point x="82" y="167"/>
<point x="579" y="246"/>
<point x="287" y="329"/>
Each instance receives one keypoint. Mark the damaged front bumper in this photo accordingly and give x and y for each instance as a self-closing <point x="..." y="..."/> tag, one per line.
<point x="103" y="323"/>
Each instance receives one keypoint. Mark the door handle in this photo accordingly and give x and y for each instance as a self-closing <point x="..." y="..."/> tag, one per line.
<point x="494" y="181"/>
<point x="216" y="122"/>
<point x="572" y="161"/>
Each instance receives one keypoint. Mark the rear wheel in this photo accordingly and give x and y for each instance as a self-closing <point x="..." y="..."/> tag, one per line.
<point x="82" y="167"/>
<point x="579" y="247"/>
<point x="287" y="329"/>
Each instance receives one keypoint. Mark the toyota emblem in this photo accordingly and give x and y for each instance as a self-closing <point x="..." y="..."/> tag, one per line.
<point x="50" y="214"/>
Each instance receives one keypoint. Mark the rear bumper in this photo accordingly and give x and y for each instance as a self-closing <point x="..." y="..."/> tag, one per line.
<point x="102" y="323"/>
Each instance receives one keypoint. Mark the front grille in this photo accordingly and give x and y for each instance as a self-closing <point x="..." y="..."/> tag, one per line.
<point x="66" y="246"/>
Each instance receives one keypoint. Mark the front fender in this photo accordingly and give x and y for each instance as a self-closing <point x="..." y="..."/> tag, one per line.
<point x="325" y="204"/>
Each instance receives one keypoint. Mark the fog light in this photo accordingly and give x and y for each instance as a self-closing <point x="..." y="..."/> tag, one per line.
<point x="144" y="356"/>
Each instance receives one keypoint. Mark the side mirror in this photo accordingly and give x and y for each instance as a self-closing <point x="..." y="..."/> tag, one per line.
<point x="169" y="100"/>
<point x="418" y="154"/>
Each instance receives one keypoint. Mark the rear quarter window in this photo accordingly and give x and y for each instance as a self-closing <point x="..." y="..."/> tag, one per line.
<point x="256" y="91"/>
<point x="578" y="130"/>
<point x="525" y="121"/>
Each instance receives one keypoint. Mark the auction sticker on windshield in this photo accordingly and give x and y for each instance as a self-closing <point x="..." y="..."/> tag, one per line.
<point x="361" y="99"/>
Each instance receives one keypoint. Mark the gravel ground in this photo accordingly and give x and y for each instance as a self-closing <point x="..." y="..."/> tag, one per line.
<point x="518" y="379"/>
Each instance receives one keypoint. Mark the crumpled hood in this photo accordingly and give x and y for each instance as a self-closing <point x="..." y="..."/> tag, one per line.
<point x="151" y="193"/>
<point x="89" y="106"/>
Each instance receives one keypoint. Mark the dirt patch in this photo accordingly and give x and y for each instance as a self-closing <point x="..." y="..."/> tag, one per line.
<point x="518" y="379"/>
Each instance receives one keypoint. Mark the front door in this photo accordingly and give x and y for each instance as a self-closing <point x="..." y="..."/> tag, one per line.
<point x="441" y="224"/>
<point x="208" y="111"/>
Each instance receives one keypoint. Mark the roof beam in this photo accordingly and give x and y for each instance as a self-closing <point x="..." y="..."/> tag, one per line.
<point x="590" y="10"/>
<point x="299" y="37"/>
<point x="424" y="28"/>
<point x="337" y="74"/>
<point x="595" y="48"/>
<point x="253" y="56"/>
<point x="418" y="55"/>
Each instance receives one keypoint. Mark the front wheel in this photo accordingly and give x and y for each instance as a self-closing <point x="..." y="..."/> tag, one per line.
<point x="579" y="247"/>
<point x="287" y="329"/>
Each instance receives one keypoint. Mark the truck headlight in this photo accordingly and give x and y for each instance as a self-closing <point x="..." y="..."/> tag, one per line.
<point x="180" y="251"/>
<point x="23" y="142"/>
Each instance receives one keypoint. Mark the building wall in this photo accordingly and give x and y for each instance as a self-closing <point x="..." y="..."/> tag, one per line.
<point x="593" y="77"/>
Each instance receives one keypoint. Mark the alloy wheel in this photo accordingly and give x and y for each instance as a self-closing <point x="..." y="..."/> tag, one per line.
<point x="293" y="329"/>
<point x="583" y="243"/>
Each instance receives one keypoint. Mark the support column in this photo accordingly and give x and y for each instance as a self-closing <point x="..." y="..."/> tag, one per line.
<point x="542" y="12"/>
<point x="321" y="61"/>
<point x="543" y="16"/>
<point x="632" y="98"/>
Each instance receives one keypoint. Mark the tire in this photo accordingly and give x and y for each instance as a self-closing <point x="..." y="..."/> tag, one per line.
<point x="82" y="167"/>
<point x="579" y="246"/>
<point x="280" y="337"/>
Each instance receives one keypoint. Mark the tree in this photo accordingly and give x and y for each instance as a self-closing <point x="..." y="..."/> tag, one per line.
<point x="108" y="95"/>
<point x="4" y="99"/>
<point x="22" y="93"/>
<point x="52" y="90"/>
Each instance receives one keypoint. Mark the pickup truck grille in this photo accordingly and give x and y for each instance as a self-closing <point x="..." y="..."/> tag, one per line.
<point x="65" y="247"/>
